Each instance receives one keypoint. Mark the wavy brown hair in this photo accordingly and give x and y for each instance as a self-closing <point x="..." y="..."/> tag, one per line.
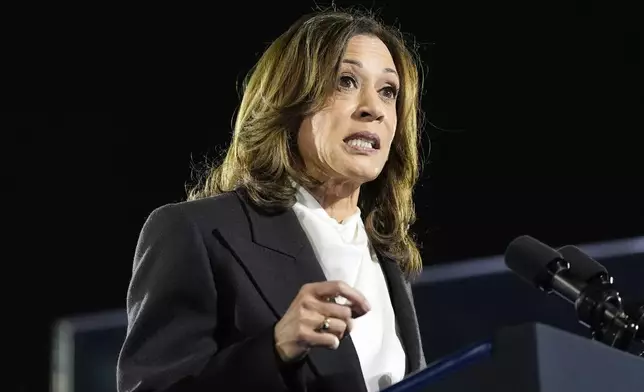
<point x="294" y="78"/>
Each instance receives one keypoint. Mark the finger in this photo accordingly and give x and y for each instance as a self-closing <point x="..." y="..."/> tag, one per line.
<point x="314" y="320"/>
<point x="340" y="312"/>
<point x="329" y="309"/>
<point x="312" y="338"/>
<point x="336" y="326"/>
<point x="340" y="300"/>
<point x="359" y="303"/>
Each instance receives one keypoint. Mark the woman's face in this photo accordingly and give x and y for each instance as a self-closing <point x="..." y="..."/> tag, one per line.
<point x="350" y="138"/>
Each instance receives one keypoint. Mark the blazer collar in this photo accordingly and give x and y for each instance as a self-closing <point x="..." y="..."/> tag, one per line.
<point x="297" y="264"/>
<point x="402" y="302"/>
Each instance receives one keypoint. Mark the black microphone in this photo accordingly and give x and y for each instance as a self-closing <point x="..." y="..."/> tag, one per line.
<point x="592" y="272"/>
<point x="597" y="303"/>
<point x="584" y="267"/>
<point x="542" y="267"/>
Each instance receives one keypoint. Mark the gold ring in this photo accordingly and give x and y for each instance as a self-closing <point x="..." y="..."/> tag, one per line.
<point x="325" y="325"/>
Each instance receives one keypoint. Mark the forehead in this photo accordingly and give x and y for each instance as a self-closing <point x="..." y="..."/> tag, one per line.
<point x="370" y="51"/>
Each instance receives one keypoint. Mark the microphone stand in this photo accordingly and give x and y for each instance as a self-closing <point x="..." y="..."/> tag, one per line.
<point x="636" y="312"/>
<point x="598" y="305"/>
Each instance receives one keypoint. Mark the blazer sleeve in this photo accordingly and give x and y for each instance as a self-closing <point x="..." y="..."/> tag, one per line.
<point x="171" y="305"/>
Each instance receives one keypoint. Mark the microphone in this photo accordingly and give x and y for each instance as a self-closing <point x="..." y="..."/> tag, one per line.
<point x="587" y="286"/>
<point x="542" y="267"/>
<point x="584" y="267"/>
<point x="592" y="272"/>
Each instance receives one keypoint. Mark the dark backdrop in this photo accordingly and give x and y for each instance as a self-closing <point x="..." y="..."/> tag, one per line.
<point x="535" y="116"/>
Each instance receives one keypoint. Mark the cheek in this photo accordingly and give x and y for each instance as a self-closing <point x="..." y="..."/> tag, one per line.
<point x="319" y="125"/>
<point x="391" y="129"/>
<point x="312" y="135"/>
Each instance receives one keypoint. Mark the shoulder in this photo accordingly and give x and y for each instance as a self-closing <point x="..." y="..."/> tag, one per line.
<point x="204" y="214"/>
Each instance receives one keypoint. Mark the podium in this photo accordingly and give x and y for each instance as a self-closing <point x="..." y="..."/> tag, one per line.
<point x="531" y="357"/>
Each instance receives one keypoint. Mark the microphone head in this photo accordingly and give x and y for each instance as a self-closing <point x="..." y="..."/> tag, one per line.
<point x="529" y="258"/>
<point x="582" y="266"/>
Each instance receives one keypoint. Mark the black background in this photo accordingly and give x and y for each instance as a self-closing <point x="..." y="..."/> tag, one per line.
<point x="535" y="116"/>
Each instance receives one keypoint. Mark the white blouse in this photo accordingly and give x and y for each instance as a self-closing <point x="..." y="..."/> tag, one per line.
<point x="344" y="253"/>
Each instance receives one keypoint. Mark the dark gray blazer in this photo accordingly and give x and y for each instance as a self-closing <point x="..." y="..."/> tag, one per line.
<point x="210" y="279"/>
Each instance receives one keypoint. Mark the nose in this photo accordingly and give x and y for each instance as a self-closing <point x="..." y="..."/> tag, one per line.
<point x="370" y="107"/>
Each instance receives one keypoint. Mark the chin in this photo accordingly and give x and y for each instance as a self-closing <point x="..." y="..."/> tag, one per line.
<point x="364" y="176"/>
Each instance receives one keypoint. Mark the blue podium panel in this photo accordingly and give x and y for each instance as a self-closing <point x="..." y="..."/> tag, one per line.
<point x="85" y="351"/>
<point x="531" y="358"/>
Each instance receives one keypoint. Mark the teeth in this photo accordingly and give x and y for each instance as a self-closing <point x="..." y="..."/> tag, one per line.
<point x="360" y="143"/>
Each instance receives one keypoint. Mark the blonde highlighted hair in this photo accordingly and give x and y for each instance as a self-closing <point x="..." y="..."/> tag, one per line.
<point x="294" y="78"/>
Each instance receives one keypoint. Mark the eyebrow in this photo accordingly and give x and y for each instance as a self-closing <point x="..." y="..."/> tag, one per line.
<point x="359" y="64"/>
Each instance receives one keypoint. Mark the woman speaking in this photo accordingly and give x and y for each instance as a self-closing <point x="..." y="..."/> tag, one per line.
<point x="288" y="267"/>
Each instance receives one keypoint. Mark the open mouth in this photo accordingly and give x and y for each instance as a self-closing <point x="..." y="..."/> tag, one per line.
<point x="363" y="141"/>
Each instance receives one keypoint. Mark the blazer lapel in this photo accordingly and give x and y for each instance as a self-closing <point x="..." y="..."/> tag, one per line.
<point x="401" y="300"/>
<point x="281" y="260"/>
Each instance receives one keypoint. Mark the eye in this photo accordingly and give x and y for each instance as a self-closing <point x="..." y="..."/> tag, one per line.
<point x="347" y="82"/>
<point x="390" y="92"/>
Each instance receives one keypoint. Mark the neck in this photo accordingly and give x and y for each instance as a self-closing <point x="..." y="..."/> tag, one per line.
<point x="339" y="198"/>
